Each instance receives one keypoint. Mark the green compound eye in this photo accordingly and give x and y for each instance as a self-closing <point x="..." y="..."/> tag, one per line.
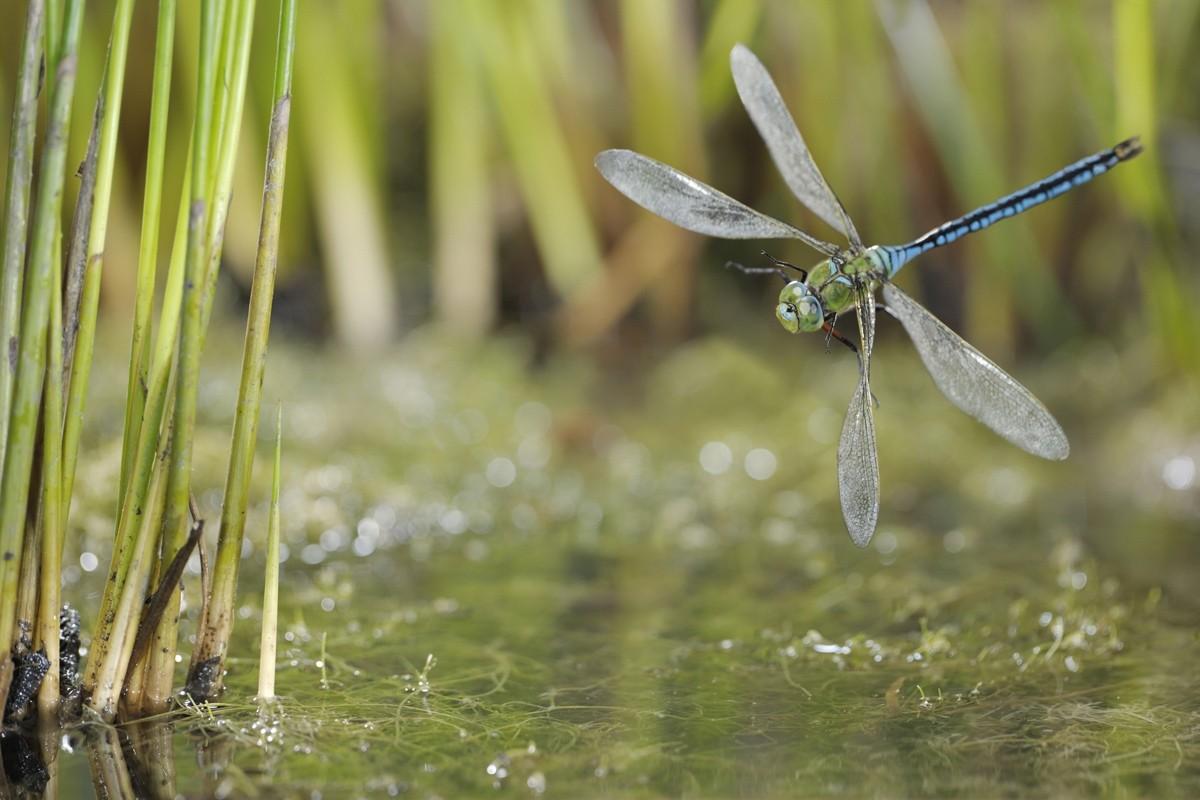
<point x="799" y="309"/>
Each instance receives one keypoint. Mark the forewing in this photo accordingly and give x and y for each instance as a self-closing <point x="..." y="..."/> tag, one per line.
<point x="692" y="204"/>
<point x="765" y="106"/>
<point x="972" y="382"/>
<point x="858" y="465"/>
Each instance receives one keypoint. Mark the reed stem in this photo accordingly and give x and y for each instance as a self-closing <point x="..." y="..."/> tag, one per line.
<point x="85" y="338"/>
<point x="139" y="355"/>
<point x="235" y="54"/>
<point x="31" y="355"/>
<point x="53" y="512"/>
<point x="270" y="613"/>
<point x="19" y="178"/>
<point x="111" y="675"/>
<point x="213" y="638"/>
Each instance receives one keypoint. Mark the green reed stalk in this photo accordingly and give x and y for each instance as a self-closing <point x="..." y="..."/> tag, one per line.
<point x="270" y="613"/>
<point x="343" y="169"/>
<point x="85" y="338"/>
<point x="562" y="226"/>
<point x="101" y="676"/>
<point x="1166" y="280"/>
<point x="233" y="100"/>
<point x="188" y="361"/>
<point x="46" y="632"/>
<point x="465" y="279"/>
<point x="666" y="125"/>
<point x="155" y="691"/>
<point x="732" y="21"/>
<point x="53" y="26"/>
<point x="139" y="355"/>
<point x="150" y="682"/>
<point x="224" y="90"/>
<point x="25" y="611"/>
<point x="133" y="500"/>
<point x="111" y="675"/>
<point x="81" y="223"/>
<point x="159" y="393"/>
<point x="213" y="637"/>
<point x="31" y="364"/>
<point x="19" y="178"/>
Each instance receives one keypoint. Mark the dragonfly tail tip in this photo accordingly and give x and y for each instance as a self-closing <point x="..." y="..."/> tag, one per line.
<point x="1128" y="148"/>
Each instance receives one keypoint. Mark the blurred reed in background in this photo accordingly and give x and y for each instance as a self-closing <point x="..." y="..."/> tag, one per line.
<point x="443" y="167"/>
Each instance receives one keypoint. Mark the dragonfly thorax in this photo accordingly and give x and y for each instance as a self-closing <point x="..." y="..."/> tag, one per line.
<point x="833" y="280"/>
<point x="799" y="309"/>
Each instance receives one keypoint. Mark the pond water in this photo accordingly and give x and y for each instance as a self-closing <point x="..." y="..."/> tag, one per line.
<point x="576" y="580"/>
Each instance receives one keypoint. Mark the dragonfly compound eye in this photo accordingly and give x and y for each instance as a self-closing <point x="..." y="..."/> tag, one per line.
<point x="786" y="314"/>
<point x="799" y="309"/>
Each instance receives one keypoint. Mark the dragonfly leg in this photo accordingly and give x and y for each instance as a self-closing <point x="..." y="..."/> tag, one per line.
<point x="779" y="262"/>
<point x="831" y="333"/>
<point x="742" y="268"/>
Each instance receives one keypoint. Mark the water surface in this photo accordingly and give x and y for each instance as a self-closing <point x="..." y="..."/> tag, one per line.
<point x="576" y="580"/>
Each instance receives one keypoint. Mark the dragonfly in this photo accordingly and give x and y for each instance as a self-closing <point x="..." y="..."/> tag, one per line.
<point x="849" y="277"/>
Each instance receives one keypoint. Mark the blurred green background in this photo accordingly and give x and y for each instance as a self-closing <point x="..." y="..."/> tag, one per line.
<point x="443" y="168"/>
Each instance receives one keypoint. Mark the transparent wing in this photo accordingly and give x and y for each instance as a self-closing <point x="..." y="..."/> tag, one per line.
<point x="777" y="128"/>
<point x="858" y="466"/>
<point x="691" y="204"/>
<point x="972" y="382"/>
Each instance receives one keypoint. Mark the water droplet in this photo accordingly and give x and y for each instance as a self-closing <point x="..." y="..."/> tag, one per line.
<point x="454" y="521"/>
<point x="760" y="464"/>
<point x="501" y="472"/>
<point x="716" y="458"/>
<point x="1179" y="473"/>
<point x="332" y="540"/>
<point x="536" y="783"/>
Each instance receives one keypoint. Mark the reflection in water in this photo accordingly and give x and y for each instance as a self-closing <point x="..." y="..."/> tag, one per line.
<point x="25" y="762"/>
<point x="132" y="761"/>
<point x="110" y="771"/>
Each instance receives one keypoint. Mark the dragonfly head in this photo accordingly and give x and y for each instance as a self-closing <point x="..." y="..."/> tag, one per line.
<point x="799" y="309"/>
